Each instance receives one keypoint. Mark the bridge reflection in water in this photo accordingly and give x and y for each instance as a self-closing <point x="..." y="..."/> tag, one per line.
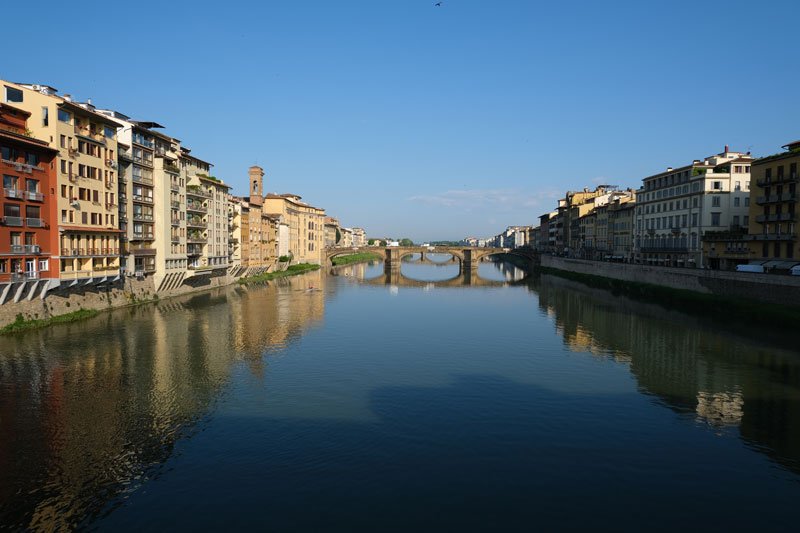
<point x="467" y="259"/>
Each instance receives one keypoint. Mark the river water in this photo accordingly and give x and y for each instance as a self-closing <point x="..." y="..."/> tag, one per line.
<point x="426" y="402"/>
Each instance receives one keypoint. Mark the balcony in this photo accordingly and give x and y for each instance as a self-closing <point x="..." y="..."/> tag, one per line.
<point x="786" y="178"/>
<point x="33" y="249"/>
<point x="196" y="238"/>
<point x="142" y="217"/>
<point x="102" y="252"/>
<point x="194" y="250"/>
<point x="143" y="236"/>
<point x="175" y="239"/>
<point x="195" y="190"/>
<point x="175" y="222"/>
<point x="196" y="207"/>
<point x="110" y="184"/>
<point x="174" y="187"/>
<point x="16" y="194"/>
<point x="171" y="168"/>
<point x="35" y="223"/>
<point x="126" y="155"/>
<point x="142" y="180"/>
<point x="776" y="217"/>
<point x="175" y="204"/>
<point x="15" y="277"/>
<point x="772" y="237"/>
<point x="196" y="223"/>
<point x="34" y="196"/>
<point x="17" y="249"/>
<point x="12" y="221"/>
<point x="142" y="199"/>
<point x="143" y="250"/>
<point x="776" y="198"/>
<point x="683" y="249"/>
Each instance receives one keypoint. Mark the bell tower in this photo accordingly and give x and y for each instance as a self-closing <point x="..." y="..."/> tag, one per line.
<point x="256" y="185"/>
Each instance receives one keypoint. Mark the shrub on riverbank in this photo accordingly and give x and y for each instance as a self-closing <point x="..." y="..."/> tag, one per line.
<point x="21" y="324"/>
<point x="293" y="270"/>
<point x="354" y="258"/>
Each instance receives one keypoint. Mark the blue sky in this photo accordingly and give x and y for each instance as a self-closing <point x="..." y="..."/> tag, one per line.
<point x="430" y="122"/>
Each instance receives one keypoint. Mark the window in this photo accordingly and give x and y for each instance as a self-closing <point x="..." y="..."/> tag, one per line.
<point x="64" y="116"/>
<point x="736" y="201"/>
<point x="746" y="221"/>
<point x="45" y="116"/>
<point x="715" y="219"/>
<point x="9" y="182"/>
<point x="736" y="220"/>
<point x="694" y="219"/>
<point x="109" y="132"/>
<point x="13" y="95"/>
<point x="746" y="201"/>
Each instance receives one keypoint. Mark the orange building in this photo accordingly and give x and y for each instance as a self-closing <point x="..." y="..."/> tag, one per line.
<point x="28" y="233"/>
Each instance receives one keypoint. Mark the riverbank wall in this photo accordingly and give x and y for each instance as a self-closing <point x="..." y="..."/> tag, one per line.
<point x="110" y="295"/>
<point x="763" y="288"/>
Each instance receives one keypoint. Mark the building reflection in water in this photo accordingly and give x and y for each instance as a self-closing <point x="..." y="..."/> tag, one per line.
<point x="706" y="370"/>
<point x="90" y="410"/>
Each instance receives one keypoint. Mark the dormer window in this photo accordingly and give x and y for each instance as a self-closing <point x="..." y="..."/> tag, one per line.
<point x="13" y="95"/>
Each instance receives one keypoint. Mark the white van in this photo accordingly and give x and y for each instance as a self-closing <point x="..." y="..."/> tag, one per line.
<point x="795" y="270"/>
<point x="750" y="268"/>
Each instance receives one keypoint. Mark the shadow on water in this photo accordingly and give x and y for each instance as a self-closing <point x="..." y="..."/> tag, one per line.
<point x="482" y="453"/>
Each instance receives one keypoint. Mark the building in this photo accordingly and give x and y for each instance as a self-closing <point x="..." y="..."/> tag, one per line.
<point x="306" y="225"/>
<point x="332" y="232"/>
<point x="238" y="235"/>
<point x="675" y="208"/>
<point x="773" y="230"/>
<point x="29" y="229"/>
<point x="86" y="178"/>
<point x="347" y="238"/>
<point x="620" y="228"/>
<point x="359" y="237"/>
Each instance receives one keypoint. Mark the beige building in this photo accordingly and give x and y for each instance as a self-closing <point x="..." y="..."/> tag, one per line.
<point x="238" y="234"/>
<point x="332" y="232"/>
<point x="306" y="225"/>
<point x="359" y="237"/>
<point x="206" y="216"/>
<point x="347" y="238"/>
<point x="677" y="207"/>
<point x="89" y="243"/>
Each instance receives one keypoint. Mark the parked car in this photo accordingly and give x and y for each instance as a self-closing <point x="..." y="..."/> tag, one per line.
<point x="755" y="268"/>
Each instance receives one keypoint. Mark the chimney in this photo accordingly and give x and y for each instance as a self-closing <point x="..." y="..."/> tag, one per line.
<point x="68" y="97"/>
<point x="726" y="148"/>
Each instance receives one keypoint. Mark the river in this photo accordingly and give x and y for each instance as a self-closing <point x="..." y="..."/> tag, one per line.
<point x="354" y="402"/>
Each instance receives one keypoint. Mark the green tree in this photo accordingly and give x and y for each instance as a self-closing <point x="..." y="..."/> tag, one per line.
<point x="338" y="235"/>
<point x="371" y="242"/>
<point x="383" y="243"/>
<point x="406" y="242"/>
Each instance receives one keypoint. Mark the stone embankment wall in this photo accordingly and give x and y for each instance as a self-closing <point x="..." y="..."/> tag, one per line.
<point x="768" y="288"/>
<point x="128" y="291"/>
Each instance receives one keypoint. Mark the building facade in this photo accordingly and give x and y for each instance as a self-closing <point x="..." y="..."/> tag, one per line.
<point x="29" y="231"/>
<point x="677" y="207"/>
<point x="306" y="225"/>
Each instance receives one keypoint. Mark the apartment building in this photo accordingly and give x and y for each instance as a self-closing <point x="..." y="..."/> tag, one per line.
<point x="206" y="216"/>
<point x="676" y="208"/>
<point x="347" y="237"/>
<point x="238" y="234"/>
<point x="332" y="232"/>
<point x="773" y="230"/>
<point x="620" y="228"/>
<point x="86" y="180"/>
<point x="28" y="232"/>
<point x="263" y="226"/>
<point x="306" y="225"/>
<point x="576" y="205"/>
<point x="359" y="237"/>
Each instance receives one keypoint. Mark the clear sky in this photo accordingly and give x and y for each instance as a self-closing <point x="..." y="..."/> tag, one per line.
<point x="429" y="122"/>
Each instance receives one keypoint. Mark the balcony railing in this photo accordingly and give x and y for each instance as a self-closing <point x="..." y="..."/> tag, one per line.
<point x="196" y="239"/>
<point x="172" y="168"/>
<point x="175" y="204"/>
<point x="776" y="217"/>
<point x="772" y="237"/>
<point x="647" y="248"/>
<point x="777" y="179"/>
<point x="175" y="239"/>
<point x="143" y="199"/>
<point x="33" y="249"/>
<point x="126" y="154"/>
<point x="194" y="206"/>
<point x="195" y="190"/>
<point x="35" y="223"/>
<point x="35" y="196"/>
<point x="143" y="180"/>
<point x="14" y="193"/>
<point x="12" y="221"/>
<point x="142" y="217"/>
<point x="174" y="187"/>
<point x="143" y="236"/>
<point x="196" y="223"/>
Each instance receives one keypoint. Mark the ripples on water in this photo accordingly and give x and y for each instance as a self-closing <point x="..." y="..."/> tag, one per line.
<point x="425" y="401"/>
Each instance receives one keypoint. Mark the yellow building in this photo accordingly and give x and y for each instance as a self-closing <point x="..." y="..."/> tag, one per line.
<point x="773" y="229"/>
<point x="306" y="226"/>
<point x="89" y="243"/>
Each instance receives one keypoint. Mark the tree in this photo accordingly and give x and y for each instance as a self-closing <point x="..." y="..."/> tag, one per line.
<point x="383" y="243"/>
<point x="406" y="242"/>
<point x="338" y="235"/>
<point x="371" y="242"/>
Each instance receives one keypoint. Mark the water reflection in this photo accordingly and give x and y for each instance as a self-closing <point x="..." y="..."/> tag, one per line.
<point x="89" y="410"/>
<point x="714" y="373"/>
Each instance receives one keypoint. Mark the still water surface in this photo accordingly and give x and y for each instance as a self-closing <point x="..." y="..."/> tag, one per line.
<point x="367" y="403"/>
